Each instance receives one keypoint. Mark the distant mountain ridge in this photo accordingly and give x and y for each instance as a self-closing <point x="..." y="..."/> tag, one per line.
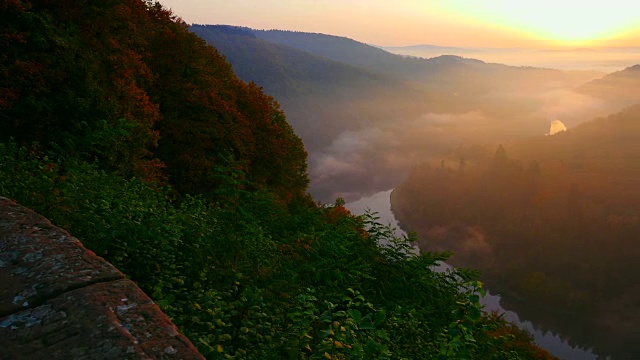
<point x="279" y="64"/>
<point x="342" y="49"/>
<point x="321" y="97"/>
<point x="620" y="87"/>
<point x="444" y="72"/>
<point x="429" y="48"/>
<point x="356" y="53"/>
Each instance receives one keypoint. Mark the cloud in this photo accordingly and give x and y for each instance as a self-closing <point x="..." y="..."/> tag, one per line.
<point x="398" y="144"/>
<point x="380" y="156"/>
<point x="572" y="107"/>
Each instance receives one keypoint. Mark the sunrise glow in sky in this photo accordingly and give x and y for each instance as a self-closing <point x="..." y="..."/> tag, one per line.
<point x="477" y="23"/>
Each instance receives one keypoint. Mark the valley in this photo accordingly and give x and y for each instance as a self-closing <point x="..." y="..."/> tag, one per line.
<point x="430" y="127"/>
<point x="227" y="170"/>
<point x="367" y="116"/>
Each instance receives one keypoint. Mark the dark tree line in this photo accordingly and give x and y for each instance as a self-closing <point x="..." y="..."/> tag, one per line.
<point x="559" y="219"/>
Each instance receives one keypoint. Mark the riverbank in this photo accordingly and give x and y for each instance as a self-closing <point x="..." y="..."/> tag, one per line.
<point x="607" y="326"/>
<point x="381" y="203"/>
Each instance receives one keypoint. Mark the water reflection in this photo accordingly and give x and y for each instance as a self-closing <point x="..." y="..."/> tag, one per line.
<point x="381" y="204"/>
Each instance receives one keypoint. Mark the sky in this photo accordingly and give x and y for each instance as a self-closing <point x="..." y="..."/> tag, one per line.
<point x="461" y="23"/>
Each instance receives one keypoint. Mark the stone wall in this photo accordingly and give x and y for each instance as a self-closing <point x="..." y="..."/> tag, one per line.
<point x="59" y="300"/>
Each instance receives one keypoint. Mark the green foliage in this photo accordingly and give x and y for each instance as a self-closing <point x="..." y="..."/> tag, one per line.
<point x="249" y="278"/>
<point x="346" y="330"/>
<point x="124" y="220"/>
<point x="458" y="339"/>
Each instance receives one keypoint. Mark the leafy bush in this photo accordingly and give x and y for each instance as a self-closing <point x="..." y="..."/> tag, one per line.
<point x="250" y="278"/>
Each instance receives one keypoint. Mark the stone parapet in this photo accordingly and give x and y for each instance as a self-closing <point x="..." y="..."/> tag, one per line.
<point x="59" y="300"/>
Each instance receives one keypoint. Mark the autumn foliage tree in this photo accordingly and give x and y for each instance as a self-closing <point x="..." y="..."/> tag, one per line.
<point x="148" y="99"/>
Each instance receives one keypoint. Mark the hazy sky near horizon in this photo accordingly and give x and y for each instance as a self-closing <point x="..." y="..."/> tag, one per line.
<point x="470" y="23"/>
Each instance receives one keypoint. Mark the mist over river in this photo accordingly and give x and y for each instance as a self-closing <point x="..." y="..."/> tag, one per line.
<point x="380" y="203"/>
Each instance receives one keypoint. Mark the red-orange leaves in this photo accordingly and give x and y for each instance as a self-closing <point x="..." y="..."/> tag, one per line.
<point x="111" y="80"/>
<point x="336" y="213"/>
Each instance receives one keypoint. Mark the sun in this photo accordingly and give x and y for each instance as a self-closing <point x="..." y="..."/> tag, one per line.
<point x="560" y="21"/>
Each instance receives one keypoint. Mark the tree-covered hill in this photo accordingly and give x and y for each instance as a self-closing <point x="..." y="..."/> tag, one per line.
<point x="322" y="97"/>
<point x="554" y="218"/>
<point x="344" y="50"/>
<point x="619" y="87"/>
<point x="276" y="65"/>
<point x="123" y="127"/>
<point x="435" y="77"/>
<point x="73" y="80"/>
<point x="443" y="73"/>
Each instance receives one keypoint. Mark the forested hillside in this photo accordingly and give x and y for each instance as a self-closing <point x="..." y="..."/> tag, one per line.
<point x="618" y="87"/>
<point x="552" y="218"/>
<point x="135" y="105"/>
<point x="444" y="73"/>
<point x="124" y="128"/>
<point x="344" y="50"/>
<point x="322" y="97"/>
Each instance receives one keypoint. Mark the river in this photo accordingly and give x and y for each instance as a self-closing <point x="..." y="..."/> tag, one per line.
<point x="381" y="204"/>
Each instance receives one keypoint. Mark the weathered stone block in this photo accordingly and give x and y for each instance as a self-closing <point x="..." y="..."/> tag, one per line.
<point x="110" y="320"/>
<point x="59" y="300"/>
<point x="39" y="261"/>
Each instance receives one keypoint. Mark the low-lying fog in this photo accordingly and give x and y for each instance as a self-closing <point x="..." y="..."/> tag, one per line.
<point x="378" y="156"/>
